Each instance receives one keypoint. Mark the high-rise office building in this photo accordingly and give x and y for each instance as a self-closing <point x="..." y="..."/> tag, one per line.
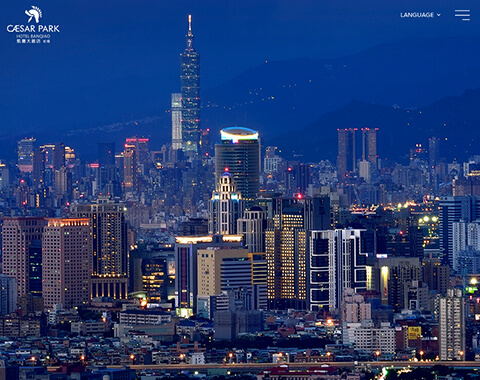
<point x="369" y="145"/>
<point x="416" y="296"/>
<point x="8" y="294"/>
<point x="271" y="161"/>
<point x="130" y="167"/>
<point x="63" y="185"/>
<point x="26" y="148"/>
<point x="466" y="236"/>
<point x="67" y="249"/>
<point x="205" y="148"/>
<point x="4" y="176"/>
<point x="233" y="271"/>
<point x="35" y="273"/>
<point x="176" y="110"/>
<point x="252" y="226"/>
<point x="451" y="319"/>
<point x="19" y="237"/>
<point x="346" y="153"/>
<point x="59" y="156"/>
<point x="190" y="90"/>
<point x="186" y="276"/>
<point x="390" y="276"/>
<point x="239" y="154"/>
<point x="153" y="271"/>
<point x="225" y="207"/>
<point x="48" y="150"/>
<point x="109" y="250"/>
<point x="455" y="209"/>
<point x="141" y="149"/>
<point x="433" y="151"/>
<point x="212" y="275"/>
<point x="297" y="177"/>
<point x="286" y="247"/>
<point x="337" y="261"/>
<point x="38" y="171"/>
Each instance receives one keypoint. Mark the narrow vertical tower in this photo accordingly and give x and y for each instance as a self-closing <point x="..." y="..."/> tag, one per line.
<point x="225" y="207"/>
<point x="190" y="90"/>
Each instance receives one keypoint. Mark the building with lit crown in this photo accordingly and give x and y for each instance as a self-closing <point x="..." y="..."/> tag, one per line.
<point x="186" y="264"/>
<point x="239" y="154"/>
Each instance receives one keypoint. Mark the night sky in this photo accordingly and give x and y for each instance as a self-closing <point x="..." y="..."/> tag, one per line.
<point x="105" y="41"/>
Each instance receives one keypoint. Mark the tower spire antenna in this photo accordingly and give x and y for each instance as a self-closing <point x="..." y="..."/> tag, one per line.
<point x="190" y="24"/>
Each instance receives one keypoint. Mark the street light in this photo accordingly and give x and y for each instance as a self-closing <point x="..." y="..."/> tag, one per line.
<point x="328" y="355"/>
<point x="132" y="358"/>
<point x="378" y="354"/>
<point x="421" y="355"/>
<point x="461" y="355"/>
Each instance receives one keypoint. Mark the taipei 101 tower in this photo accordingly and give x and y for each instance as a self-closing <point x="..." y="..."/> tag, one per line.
<point x="190" y="91"/>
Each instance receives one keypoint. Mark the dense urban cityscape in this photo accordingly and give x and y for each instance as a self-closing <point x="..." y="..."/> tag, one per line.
<point x="219" y="256"/>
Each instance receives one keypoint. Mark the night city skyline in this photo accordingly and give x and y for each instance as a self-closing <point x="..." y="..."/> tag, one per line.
<point x="259" y="190"/>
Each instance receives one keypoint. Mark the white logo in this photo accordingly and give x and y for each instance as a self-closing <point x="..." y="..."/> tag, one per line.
<point x="35" y="12"/>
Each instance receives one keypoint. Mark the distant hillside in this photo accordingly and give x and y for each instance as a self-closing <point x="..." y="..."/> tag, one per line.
<point x="274" y="98"/>
<point x="281" y="96"/>
<point x="455" y="120"/>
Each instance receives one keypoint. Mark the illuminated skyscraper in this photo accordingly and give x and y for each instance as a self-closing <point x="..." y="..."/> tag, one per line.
<point x="225" y="207"/>
<point x="130" y="167"/>
<point x="451" y="321"/>
<point x="337" y="261"/>
<point x="286" y="246"/>
<point x="239" y="154"/>
<point x="66" y="248"/>
<point x="455" y="209"/>
<point x="176" y="121"/>
<point x="190" y="82"/>
<point x="110" y="251"/>
<point x="186" y="268"/>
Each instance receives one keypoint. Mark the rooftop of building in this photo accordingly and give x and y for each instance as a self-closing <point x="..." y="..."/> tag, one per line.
<point x="238" y="133"/>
